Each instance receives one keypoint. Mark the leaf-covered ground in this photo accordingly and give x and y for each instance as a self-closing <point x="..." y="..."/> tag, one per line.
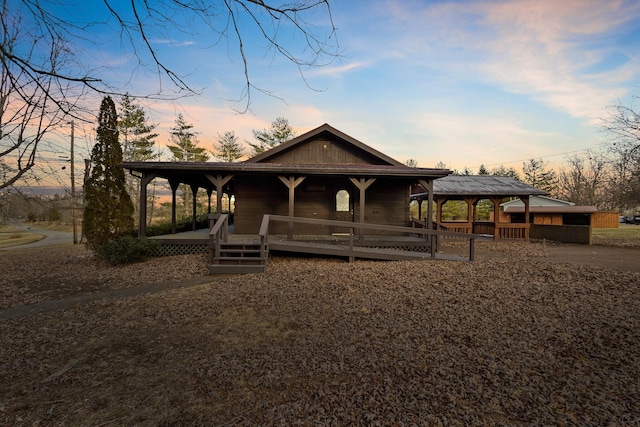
<point x="509" y="340"/>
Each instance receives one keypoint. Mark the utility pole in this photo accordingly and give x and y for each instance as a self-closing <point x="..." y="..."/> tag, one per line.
<point x="73" y="191"/>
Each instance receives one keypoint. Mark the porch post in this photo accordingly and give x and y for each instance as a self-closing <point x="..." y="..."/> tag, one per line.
<point x="194" y="194"/>
<point x="174" y="187"/>
<point x="430" y="206"/>
<point x="142" y="203"/>
<point x="428" y="185"/>
<point x="209" y="192"/>
<point x="496" y="217"/>
<point x="219" y="182"/>
<point x="292" y="182"/>
<point x="439" y="202"/>
<point x="362" y="184"/>
<point x="470" y="210"/>
<point x="527" y="223"/>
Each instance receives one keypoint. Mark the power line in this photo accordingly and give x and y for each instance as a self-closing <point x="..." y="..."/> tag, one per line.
<point x="543" y="157"/>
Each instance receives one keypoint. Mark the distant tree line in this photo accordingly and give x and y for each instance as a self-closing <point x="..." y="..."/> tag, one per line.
<point x="608" y="179"/>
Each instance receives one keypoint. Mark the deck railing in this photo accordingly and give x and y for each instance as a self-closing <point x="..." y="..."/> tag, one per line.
<point x="218" y="233"/>
<point x="427" y="234"/>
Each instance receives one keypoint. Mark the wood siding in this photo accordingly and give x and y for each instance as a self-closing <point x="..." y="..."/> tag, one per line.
<point x="324" y="150"/>
<point x="386" y="202"/>
<point x="605" y="220"/>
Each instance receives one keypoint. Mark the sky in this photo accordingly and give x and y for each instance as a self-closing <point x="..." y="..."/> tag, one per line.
<point x="464" y="83"/>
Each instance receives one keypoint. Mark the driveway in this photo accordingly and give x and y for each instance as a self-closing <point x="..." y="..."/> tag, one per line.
<point x="50" y="237"/>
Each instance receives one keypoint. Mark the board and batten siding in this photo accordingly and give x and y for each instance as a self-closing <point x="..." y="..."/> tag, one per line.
<point x="323" y="151"/>
<point x="386" y="203"/>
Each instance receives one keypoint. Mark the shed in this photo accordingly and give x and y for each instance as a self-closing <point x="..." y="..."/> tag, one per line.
<point x="549" y="211"/>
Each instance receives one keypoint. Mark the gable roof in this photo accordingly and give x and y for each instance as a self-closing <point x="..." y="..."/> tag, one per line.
<point x="538" y="201"/>
<point x="312" y="134"/>
<point x="483" y="185"/>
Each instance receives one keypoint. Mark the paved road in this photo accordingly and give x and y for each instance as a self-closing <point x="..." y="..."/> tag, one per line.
<point x="50" y="237"/>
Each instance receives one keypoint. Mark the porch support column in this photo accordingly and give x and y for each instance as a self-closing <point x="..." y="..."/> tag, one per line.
<point x="527" y="209"/>
<point x="292" y="182"/>
<point x="496" y="217"/>
<point x="439" y="202"/>
<point x="470" y="201"/>
<point x="194" y="196"/>
<point x="362" y="184"/>
<point x="428" y="185"/>
<point x="219" y="182"/>
<point x="174" y="187"/>
<point x="209" y="192"/>
<point x="142" y="203"/>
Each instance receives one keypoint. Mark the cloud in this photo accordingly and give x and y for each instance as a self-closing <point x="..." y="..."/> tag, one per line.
<point x="542" y="49"/>
<point x="339" y="71"/>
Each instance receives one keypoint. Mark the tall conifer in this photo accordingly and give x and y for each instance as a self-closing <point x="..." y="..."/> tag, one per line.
<point x="108" y="212"/>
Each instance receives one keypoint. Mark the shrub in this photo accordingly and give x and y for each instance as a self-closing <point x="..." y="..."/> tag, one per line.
<point x="127" y="250"/>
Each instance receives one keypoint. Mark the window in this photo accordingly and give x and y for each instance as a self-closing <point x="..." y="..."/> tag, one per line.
<point x="342" y="201"/>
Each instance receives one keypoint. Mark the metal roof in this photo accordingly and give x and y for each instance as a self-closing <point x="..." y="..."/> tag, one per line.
<point x="552" y="209"/>
<point x="483" y="185"/>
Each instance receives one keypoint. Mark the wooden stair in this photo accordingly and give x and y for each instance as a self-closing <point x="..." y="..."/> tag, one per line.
<point x="238" y="258"/>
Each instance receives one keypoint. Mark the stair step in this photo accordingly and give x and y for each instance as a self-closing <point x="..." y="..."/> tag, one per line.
<point x="239" y="260"/>
<point x="240" y="251"/>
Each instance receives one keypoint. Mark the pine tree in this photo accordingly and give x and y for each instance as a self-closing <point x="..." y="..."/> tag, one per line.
<point x="137" y="140"/>
<point x="279" y="132"/>
<point x="185" y="149"/>
<point x="136" y="134"/>
<point x="537" y="175"/>
<point x="108" y="212"/>
<point x="185" y="143"/>
<point x="228" y="149"/>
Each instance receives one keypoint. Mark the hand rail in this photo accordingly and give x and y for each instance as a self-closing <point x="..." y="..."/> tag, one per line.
<point x="426" y="233"/>
<point x="219" y="233"/>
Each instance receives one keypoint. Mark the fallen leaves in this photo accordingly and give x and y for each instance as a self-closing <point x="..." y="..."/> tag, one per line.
<point x="509" y="340"/>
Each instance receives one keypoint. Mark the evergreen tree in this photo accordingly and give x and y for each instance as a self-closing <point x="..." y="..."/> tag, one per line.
<point x="136" y="134"/>
<point x="502" y="171"/>
<point x="412" y="163"/>
<point x="108" y="212"/>
<point x="279" y="132"/>
<point x="483" y="170"/>
<point x="537" y="175"/>
<point x="185" y="149"/>
<point x="137" y="140"/>
<point x="185" y="143"/>
<point x="228" y="149"/>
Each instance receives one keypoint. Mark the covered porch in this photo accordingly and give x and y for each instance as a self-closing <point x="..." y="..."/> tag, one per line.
<point x="473" y="190"/>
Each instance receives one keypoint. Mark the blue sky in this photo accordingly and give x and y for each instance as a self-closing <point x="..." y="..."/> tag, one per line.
<point x="460" y="82"/>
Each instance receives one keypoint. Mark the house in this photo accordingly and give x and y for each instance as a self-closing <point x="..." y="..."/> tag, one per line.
<point x="323" y="174"/>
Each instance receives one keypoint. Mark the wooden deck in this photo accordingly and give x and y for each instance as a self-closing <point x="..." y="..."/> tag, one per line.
<point x="242" y="253"/>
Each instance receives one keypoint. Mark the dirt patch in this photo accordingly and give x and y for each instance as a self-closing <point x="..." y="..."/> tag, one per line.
<point x="517" y="339"/>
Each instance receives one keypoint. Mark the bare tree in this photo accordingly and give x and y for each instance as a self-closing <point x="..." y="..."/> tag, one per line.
<point x="623" y="128"/>
<point x="31" y="103"/>
<point x="584" y="180"/>
<point x="43" y="67"/>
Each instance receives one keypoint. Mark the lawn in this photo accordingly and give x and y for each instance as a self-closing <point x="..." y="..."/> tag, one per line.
<point x="625" y="236"/>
